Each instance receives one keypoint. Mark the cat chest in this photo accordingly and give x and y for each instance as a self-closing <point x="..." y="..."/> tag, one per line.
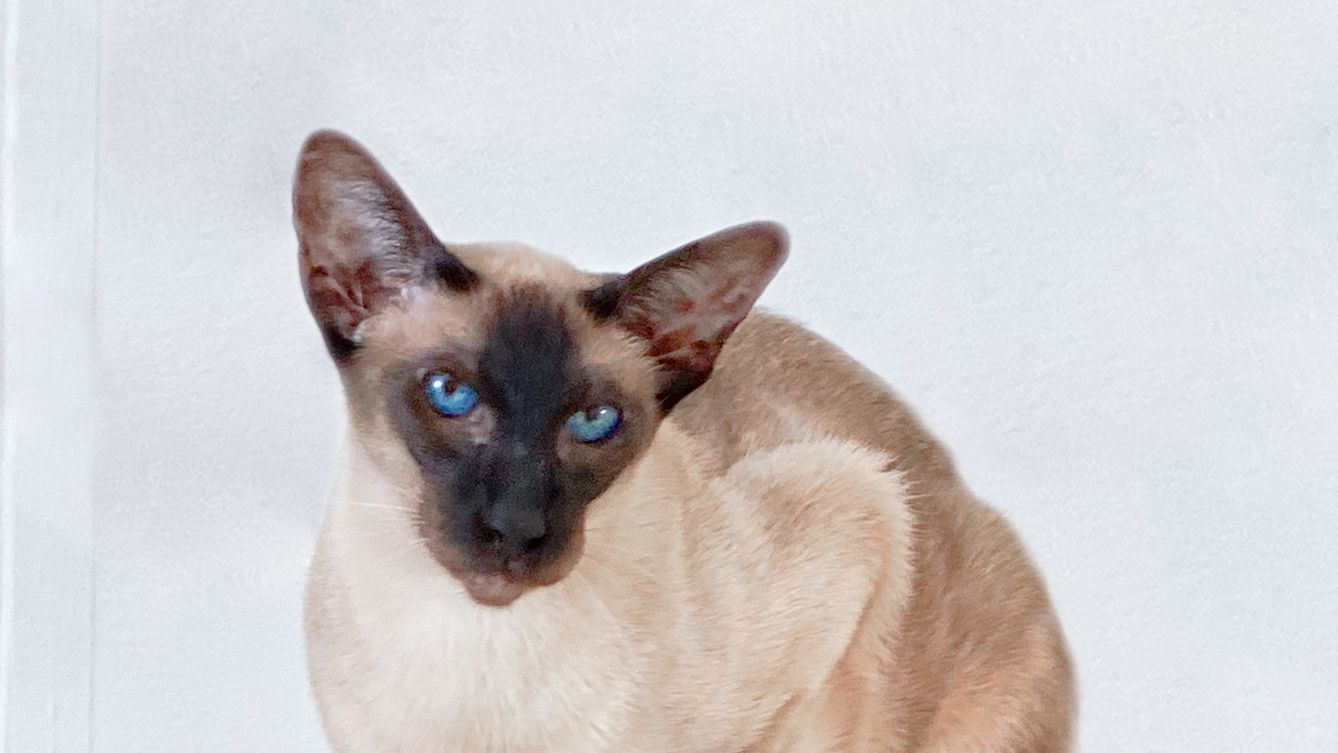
<point x="442" y="678"/>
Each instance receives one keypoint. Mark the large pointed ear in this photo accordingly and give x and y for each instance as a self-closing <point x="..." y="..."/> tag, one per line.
<point x="686" y="303"/>
<point x="362" y="243"/>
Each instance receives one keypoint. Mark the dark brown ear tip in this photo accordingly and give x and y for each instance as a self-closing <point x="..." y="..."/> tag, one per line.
<point x="331" y="153"/>
<point x="327" y="159"/>
<point x="330" y="141"/>
<point x="770" y="238"/>
<point x="770" y="228"/>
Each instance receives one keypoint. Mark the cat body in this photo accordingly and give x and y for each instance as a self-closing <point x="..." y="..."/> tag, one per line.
<point x="767" y="554"/>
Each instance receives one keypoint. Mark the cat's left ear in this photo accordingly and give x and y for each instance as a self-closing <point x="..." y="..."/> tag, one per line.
<point x="362" y="243"/>
<point x="686" y="303"/>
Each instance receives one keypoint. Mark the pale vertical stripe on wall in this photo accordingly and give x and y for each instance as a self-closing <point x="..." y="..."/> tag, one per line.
<point x="48" y="241"/>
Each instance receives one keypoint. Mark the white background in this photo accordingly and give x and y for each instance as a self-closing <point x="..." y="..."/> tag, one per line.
<point x="1094" y="243"/>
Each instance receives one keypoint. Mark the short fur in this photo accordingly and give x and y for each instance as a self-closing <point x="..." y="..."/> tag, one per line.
<point x="751" y="572"/>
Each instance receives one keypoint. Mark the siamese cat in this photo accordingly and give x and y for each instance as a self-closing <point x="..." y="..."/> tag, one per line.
<point x="590" y="513"/>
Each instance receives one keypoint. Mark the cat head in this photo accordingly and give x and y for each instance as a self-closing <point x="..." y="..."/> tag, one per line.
<point x="507" y="388"/>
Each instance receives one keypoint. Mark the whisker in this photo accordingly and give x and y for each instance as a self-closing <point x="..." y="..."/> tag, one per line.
<point x="627" y="562"/>
<point x="405" y="547"/>
<point x="408" y="523"/>
<point x="595" y="591"/>
<point x="383" y="507"/>
<point x="627" y="527"/>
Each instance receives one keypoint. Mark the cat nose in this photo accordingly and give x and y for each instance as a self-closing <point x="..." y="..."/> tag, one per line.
<point x="513" y="528"/>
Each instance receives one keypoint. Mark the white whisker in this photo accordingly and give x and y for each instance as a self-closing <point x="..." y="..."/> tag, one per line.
<point x="622" y="563"/>
<point x="383" y="507"/>
<point x="628" y="526"/>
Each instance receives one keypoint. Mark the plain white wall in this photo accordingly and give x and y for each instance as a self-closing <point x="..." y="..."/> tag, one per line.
<point x="1094" y="243"/>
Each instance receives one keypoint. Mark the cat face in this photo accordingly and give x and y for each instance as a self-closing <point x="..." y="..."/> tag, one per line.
<point x="505" y="389"/>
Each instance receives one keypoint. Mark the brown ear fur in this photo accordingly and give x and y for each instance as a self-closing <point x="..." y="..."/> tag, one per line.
<point x="686" y="303"/>
<point x="362" y="243"/>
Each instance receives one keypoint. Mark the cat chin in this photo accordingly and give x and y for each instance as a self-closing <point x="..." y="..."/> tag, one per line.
<point x="496" y="590"/>
<point x="501" y="588"/>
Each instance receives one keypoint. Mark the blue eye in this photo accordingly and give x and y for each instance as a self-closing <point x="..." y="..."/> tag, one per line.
<point x="449" y="396"/>
<point x="594" y="424"/>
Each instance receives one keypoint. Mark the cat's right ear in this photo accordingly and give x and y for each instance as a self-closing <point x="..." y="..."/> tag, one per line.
<point x="362" y="244"/>
<point x="685" y="304"/>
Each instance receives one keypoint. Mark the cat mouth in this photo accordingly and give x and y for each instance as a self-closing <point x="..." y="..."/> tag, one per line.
<point x="499" y="581"/>
<point x="499" y="588"/>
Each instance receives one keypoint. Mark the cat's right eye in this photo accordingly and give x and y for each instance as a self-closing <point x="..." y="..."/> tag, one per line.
<point x="449" y="396"/>
<point x="594" y="424"/>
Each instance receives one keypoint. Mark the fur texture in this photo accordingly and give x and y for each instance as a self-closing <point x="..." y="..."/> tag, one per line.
<point x="759" y="576"/>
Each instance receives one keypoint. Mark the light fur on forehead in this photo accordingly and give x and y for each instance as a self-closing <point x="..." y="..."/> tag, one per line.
<point x="422" y="322"/>
<point x="613" y="351"/>
<point x="516" y="264"/>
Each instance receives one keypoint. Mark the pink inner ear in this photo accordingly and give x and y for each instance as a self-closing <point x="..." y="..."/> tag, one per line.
<point x="345" y="295"/>
<point x="687" y="335"/>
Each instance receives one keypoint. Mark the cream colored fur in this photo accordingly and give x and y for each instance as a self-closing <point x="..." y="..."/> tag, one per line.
<point x="758" y="581"/>
<point x="702" y="607"/>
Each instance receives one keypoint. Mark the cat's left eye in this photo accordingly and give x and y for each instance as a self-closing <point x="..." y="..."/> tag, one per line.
<point x="594" y="424"/>
<point x="450" y="397"/>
